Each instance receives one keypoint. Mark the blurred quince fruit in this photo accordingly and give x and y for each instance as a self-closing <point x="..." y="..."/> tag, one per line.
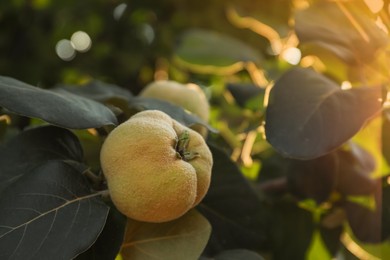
<point x="188" y="96"/>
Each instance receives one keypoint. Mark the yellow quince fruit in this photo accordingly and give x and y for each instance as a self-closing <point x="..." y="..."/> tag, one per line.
<point x="156" y="168"/>
<point x="188" y="96"/>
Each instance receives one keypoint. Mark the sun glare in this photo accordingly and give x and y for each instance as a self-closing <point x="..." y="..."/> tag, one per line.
<point x="374" y="5"/>
<point x="65" y="50"/>
<point x="292" y="55"/>
<point x="81" y="41"/>
<point x="119" y="10"/>
<point x="346" y="85"/>
<point x="381" y="25"/>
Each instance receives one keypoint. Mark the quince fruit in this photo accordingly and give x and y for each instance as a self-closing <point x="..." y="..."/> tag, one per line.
<point x="156" y="168"/>
<point x="188" y="96"/>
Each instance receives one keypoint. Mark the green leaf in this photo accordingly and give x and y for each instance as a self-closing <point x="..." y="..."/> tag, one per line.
<point x="386" y="212"/>
<point x="3" y="128"/>
<point x="210" y="48"/>
<point x="176" y="112"/>
<point x="291" y="230"/>
<point x="186" y="236"/>
<point x="355" y="169"/>
<point x="110" y="240"/>
<point x="331" y="238"/>
<point x="315" y="178"/>
<point x="62" y="109"/>
<point x="317" y="249"/>
<point x="111" y="95"/>
<point x="236" y="254"/>
<point x="91" y="144"/>
<point x="49" y="213"/>
<point x="33" y="147"/>
<point x="386" y="136"/>
<point x="238" y="216"/>
<point x="247" y="95"/>
<point x="309" y="115"/>
<point x="96" y="90"/>
<point x="346" y="28"/>
<point x="366" y="223"/>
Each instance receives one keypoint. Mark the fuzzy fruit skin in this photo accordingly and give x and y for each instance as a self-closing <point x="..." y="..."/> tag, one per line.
<point x="188" y="96"/>
<point x="146" y="179"/>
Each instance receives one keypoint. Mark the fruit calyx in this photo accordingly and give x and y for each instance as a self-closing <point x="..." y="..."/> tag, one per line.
<point x="182" y="145"/>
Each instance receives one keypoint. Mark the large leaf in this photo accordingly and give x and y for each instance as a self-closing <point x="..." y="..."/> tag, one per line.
<point x="315" y="179"/>
<point x="97" y="90"/>
<point x="3" y="129"/>
<point x="184" y="237"/>
<point x="309" y="115"/>
<point x="386" y="137"/>
<point x="273" y="167"/>
<point x="355" y="170"/>
<point x="176" y="112"/>
<point x="62" y="109"/>
<point x="366" y="222"/>
<point x="210" y="48"/>
<point x="235" y="254"/>
<point x="386" y="212"/>
<point x="115" y="97"/>
<point x="247" y="95"/>
<point x="346" y="28"/>
<point x="237" y="215"/>
<point x="49" y="213"/>
<point x="331" y="238"/>
<point x="291" y="230"/>
<point x="33" y="147"/>
<point x="110" y="240"/>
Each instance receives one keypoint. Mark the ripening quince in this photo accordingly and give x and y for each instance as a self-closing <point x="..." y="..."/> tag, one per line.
<point x="156" y="168"/>
<point x="188" y="96"/>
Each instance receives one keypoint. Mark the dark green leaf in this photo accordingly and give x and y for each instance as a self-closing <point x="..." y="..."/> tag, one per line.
<point x="273" y="166"/>
<point x="331" y="238"/>
<point x="113" y="96"/>
<point x="355" y="169"/>
<point x="245" y="93"/>
<point x="184" y="237"/>
<point x="366" y="223"/>
<point x="3" y="128"/>
<point x="291" y="230"/>
<point x="18" y="121"/>
<point x="347" y="29"/>
<point x="315" y="178"/>
<point x="386" y="136"/>
<point x="386" y="211"/>
<point x="63" y="109"/>
<point x="176" y="112"/>
<point x="33" y="147"/>
<point x="96" y="90"/>
<point x="91" y="145"/>
<point x="236" y="213"/>
<point x="203" y="47"/>
<point x="49" y="213"/>
<point x="309" y="115"/>
<point x="238" y="254"/>
<point x="108" y="244"/>
<point x="272" y="177"/>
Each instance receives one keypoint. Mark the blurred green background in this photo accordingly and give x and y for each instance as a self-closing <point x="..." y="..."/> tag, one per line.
<point x="129" y="39"/>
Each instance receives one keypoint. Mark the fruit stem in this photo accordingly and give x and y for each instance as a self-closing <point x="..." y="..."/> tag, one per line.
<point x="97" y="181"/>
<point x="182" y="145"/>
